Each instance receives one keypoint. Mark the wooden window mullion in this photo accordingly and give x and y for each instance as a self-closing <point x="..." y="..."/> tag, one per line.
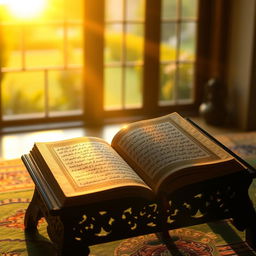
<point x="151" y="56"/>
<point x="93" y="60"/>
<point x="124" y="54"/>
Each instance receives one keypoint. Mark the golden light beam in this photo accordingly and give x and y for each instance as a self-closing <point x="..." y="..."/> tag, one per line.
<point x="25" y="9"/>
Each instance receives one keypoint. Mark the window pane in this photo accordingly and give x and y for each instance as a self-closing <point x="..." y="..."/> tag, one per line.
<point x="134" y="42"/>
<point x="55" y="10"/>
<point x="135" y="9"/>
<point x="73" y="10"/>
<point x="185" y="81"/>
<point x="113" y="43"/>
<point x="167" y="82"/>
<point x="74" y="50"/>
<point x="20" y="11"/>
<point x="168" y="42"/>
<point x="114" y="10"/>
<point x="44" y="46"/>
<point x="5" y="13"/>
<point x="113" y="88"/>
<point x="189" y="8"/>
<point x="188" y="40"/>
<point x="133" y="87"/>
<point x="169" y="9"/>
<point x="65" y="90"/>
<point x="124" y="45"/>
<point x="11" y="46"/>
<point x="177" y="51"/>
<point x="22" y="93"/>
<point x="47" y="37"/>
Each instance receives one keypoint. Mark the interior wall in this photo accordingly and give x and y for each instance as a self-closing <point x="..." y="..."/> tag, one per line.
<point x="241" y="75"/>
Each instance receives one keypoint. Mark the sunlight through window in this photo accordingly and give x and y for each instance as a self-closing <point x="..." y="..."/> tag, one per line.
<point x="41" y="45"/>
<point x="26" y="9"/>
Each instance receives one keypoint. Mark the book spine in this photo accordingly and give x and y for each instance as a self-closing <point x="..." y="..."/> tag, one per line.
<point x="43" y="188"/>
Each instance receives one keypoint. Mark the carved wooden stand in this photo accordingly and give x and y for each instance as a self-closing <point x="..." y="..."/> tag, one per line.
<point x="73" y="230"/>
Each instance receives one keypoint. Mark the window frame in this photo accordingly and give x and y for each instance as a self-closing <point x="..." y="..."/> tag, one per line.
<point x="211" y="57"/>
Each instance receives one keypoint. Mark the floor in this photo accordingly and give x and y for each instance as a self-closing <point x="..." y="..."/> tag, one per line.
<point x="13" y="145"/>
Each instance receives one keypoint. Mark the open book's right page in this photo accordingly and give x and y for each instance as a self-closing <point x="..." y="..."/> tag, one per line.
<point x="169" y="149"/>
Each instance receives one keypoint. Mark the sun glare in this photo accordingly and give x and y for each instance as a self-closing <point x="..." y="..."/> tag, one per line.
<point x="26" y="9"/>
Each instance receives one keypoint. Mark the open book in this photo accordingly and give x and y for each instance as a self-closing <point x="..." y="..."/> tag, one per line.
<point x="145" y="159"/>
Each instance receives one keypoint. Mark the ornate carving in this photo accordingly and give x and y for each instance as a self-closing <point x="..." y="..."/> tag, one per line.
<point x="226" y="197"/>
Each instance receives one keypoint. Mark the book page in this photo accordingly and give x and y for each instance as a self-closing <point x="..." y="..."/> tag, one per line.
<point x="87" y="165"/>
<point x="155" y="146"/>
<point x="92" y="163"/>
<point x="160" y="146"/>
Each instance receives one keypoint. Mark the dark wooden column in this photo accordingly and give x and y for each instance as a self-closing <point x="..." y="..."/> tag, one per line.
<point x="93" y="61"/>
<point x="151" y="56"/>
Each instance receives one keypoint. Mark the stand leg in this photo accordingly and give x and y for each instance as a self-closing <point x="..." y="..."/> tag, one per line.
<point x="245" y="218"/>
<point x="73" y="248"/>
<point x="250" y="236"/>
<point x="250" y="232"/>
<point x="164" y="235"/>
<point x="60" y="233"/>
<point x="33" y="213"/>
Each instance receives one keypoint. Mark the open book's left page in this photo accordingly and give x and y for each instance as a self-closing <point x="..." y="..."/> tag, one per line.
<point x="84" y="166"/>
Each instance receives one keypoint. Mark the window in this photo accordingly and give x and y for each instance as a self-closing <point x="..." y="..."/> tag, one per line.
<point x="41" y="65"/>
<point x="177" y="51"/>
<point x="90" y="60"/>
<point x="123" y="53"/>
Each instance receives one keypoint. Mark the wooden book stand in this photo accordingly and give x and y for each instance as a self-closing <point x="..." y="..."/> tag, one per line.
<point x="72" y="230"/>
